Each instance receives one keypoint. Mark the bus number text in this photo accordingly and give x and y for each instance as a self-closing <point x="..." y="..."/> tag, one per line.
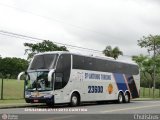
<point x="95" y="89"/>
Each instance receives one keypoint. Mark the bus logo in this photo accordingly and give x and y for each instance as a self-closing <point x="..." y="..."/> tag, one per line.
<point x="110" y="88"/>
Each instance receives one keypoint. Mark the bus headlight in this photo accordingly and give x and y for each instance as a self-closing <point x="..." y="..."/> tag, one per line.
<point x="48" y="96"/>
<point x="27" y="94"/>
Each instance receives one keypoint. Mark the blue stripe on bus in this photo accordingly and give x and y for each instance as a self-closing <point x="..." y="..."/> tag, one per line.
<point x="120" y="82"/>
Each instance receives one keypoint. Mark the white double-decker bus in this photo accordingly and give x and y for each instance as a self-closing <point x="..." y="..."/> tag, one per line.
<point x="64" y="77"/>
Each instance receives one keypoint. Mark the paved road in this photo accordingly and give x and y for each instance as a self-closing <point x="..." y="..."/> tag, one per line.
<point x="94" y="111"/>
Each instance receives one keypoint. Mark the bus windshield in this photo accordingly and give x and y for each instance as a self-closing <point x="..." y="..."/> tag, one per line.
<point x="44" y="61"/>
<point x="38" y="80"/>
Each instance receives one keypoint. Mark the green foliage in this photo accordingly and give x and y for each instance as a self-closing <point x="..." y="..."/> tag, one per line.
<point x="146" y="63"/>
<point x="44" y="46"/>
<point x="112" y="52"/>
<point x="12" y="89"/>
<point x="11" y="67"/>
<point x="148" y="42"/>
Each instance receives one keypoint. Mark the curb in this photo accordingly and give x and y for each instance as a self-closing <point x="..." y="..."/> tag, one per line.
<point x="18" y="106"/>
<point x="146" y="99"/>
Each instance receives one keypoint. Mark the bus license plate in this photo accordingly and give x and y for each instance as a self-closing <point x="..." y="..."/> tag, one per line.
<point x="35" y="101"/>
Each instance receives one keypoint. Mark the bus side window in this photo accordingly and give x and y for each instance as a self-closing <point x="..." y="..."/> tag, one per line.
<point x="88" y="63"/>
<point x="63" y="71"/>
<point x="58" y="81"/>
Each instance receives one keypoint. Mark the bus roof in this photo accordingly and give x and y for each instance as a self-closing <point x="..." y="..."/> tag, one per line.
<point x="99" y="57"/>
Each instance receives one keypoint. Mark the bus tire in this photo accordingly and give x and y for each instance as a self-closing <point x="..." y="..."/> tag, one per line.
<point x="50" y="104"/>
<point x="120" y="97"/>
<point x="127" y="98"/>
<point x="75" y="100"/>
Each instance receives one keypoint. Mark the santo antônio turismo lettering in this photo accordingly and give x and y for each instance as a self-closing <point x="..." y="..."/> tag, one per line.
<point x="97" y="76"/>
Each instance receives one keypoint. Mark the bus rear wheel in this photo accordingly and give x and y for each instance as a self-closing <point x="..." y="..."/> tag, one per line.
<point x="127" y="98"/>
<point x="120" y="97"/>
<point x="75" y="100"/>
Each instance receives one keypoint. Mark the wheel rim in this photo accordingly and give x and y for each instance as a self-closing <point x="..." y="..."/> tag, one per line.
<point x="120" y="98"/>
<point x="74" y="100"/>
<point x="126" y="97"/>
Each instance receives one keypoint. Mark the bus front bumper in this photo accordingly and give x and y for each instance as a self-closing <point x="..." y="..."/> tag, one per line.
<point x="40" y="100"/>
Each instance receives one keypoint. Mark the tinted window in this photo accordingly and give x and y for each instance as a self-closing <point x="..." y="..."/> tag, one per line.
<point x="78" y="62"/>
<point x="50" y="60"/>
<point x="45" y="61"/>
<point x="63" y="71"/>
<point x="89" y="63"/>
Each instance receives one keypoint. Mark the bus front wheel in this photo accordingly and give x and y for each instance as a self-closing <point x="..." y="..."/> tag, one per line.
<point x="75" y="100"/>
<point x="50" y="104"/>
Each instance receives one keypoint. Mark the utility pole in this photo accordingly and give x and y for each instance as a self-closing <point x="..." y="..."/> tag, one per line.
<point x="154" y="66"/>
<point x="2" y="90"/>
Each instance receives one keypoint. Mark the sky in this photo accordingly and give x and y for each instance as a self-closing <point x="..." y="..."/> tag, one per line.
<point x="92" y="24"/>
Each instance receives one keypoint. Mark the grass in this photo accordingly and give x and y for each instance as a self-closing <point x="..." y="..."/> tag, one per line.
<point x="12" y="89"/>
<point x="148" y="93"/>
<point x="12" y="101"/>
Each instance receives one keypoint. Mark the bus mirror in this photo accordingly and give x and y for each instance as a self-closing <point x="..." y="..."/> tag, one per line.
<point x="19" y="75"/>
<point x="50" y="75"/>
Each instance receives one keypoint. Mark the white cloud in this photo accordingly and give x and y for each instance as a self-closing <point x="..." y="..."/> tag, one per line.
<point x="88" y="23"/>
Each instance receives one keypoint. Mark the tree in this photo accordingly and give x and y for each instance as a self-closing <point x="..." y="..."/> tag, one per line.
<point x="44" y="46"/>
<point x="11" y="67"/>
<point x="146" y="69"/>
<point x="146" y="65"/>
<point x="148" y="42"/>
<point x="152" y="43"/>
<point x="0" y="67"/>
<point x="115" y="52"/>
